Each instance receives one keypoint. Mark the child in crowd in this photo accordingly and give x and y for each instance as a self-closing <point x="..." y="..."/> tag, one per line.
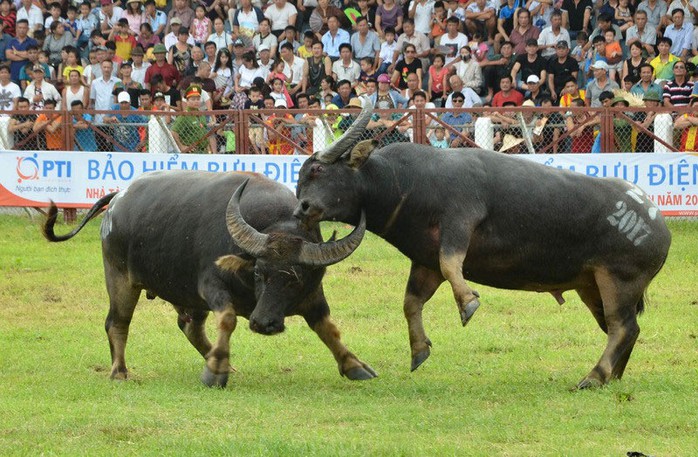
<point x="256" y="132"/>
<point x="613" y="54"/>
<point x="54" y="15"/>
<point x="123" y="38"/>
<point x="306" y="50"/>
<point x="437" y="79"/>
<point x="71" y="62"/>
<point x="438" y="22"/>
<point x="478" y="47"/>
<point x="388" y="48"/>
<point x="623" y="16"/>
<point x="200" y="25"/>
<point x="222" y="75"/>
<point x="44" y="59"/>
<point x="367" y="72"/>
<point x="439" y="140"/>
<point x="71" y="24"/>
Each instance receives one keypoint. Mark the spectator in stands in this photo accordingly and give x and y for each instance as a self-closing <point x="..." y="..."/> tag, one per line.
<point x="580" y="126"/>
<point x="505" y="22"/>
<point x="126" y="136"/>
<point x="560" y="69"/>
<point x="385" y="97"/>
<point x="320" y="16"/>
<point x="155" y="18"/>
<point x="190" y="131"/>
<point x="123" y="38"/>
<point x="457" y="119"/>
<point x="134" y="16"/>
<point x="411" y="36"/>
<point x="420" y="12"/>
<point x="656" y="12"/>
<point x="605" y="23"/>
<point x="646" y="83"/>
<point x="386" y="58"/>
<point x="365" y="42"/>
<point x="264" y="37"/>
<point x="456" y="84"/>
<point x="571" y="92"/>
<point x="109" y="15"/>
<point x="413" y="87"/>
<point x="84" y="135"/>
<point x="179" y="54"/>
<point x="9" y="91"/>
<point x="346" y="68"/>
<point x="289" y="36"/>
<point x="172" y="37"/>
<point x="74" y="90"/>
<point x="319" y="68"/>
<point x="334" y="38"/>
<point x="687" y="6"/>
<point x="344" y="94"/>
<point x="677" y="92"/>
<point x="246" y="22"/>
<point x="480" y="16"/>
<point x="681" y="34"/>
<point x="20" y="127"/>
<point x="410" y="64"/>
<point x="437" y="79"/>
<point x="553" y="34"/>
<point x="469" y="70"/>
<point x="535" y="92"/>
<point x="281" y="14"/>
<point x="642" y="33"/>
<point x="529" y="64"/>
<point x="645" y="118"/>
<point x="49" y="127"/>
<point x="689" y="123"/>
<point x="127" y="83"/>
<point x="497" y="66"/>
<point x="523" y="32"/>
<point x="631" y="67"/>
<point x="296" y="69"/>
<point x="507" y="93"/>
<point x="40" y="90"/>
<point x="389" y="14"/>
<point x="17" y="51"/>
<point x="172" y="95"/>
<point x="161" y="67"/>
<point x="600" y="84"/>
<point x="201" y="25"/>
<point x="577" y="16"/>
<point x="32" y="14"/>
<point x="663" y="64"/>
<point x="453" y="40"/>
<point x="181" y="11"/>
<point x="8" y="17"/>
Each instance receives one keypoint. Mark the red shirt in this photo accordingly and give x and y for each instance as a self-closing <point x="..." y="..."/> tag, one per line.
<point x="169" y="74"/>
<point x="500" y="99"/>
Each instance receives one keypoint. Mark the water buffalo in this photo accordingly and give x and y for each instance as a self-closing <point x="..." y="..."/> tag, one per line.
<point x="180" y="236"/>
<point x="497" y="220"/>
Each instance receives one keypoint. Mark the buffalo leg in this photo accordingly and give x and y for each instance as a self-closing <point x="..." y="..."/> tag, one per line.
<point x="123" y="298"/>
<point x="592" y="298"/>
<point x="192" y="323"/>
<point x="421" y="286"/>
<point x="349" y="365"/>
<point x="217" y="360"/>
<point x="620" y="301"/>
<point x="451" y="264"/>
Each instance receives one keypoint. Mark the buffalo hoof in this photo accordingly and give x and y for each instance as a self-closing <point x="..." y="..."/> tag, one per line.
<point x="211" y="379"/>
<point x="419" y="358"/>
<point x="589" y="383"/>
<point x="361" y="373"/>
<point x="467" y="313"/>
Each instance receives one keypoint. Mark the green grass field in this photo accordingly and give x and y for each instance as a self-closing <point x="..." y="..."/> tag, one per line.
<point x="500" y="386"/>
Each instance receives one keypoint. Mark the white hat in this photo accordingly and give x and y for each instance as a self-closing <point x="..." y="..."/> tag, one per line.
<point x="279" y="103"/>
<point x="263" y="47"/>
<point x="528" y="103"/>
<point x="533" y="79"/>
<point x="599" y="65"/>
<point x="123" y="97"/>
<point x="509" y="142"/>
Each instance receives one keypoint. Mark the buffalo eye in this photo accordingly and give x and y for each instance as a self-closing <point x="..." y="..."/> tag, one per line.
<point x="316" y="169"/>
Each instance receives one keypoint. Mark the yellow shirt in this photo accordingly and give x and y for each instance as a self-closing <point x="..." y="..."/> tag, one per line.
<point x="304" y="52"/>
<point x="566" y="100"/>
<point x="67" y="70"/>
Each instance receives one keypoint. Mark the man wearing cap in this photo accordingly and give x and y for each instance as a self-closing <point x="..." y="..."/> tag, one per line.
<point x="645" y="143"/>
<point x="126" y="136"/>
<point x="523" y="32"/>
<point x="172" y="37"/>
<point x="189" y="131"/>
<point x="161" y="67"/>
<point x="677" y="92"/>
<point x="560" y="69"/>
<point x="529" y="64"/>
<point x="40" y="90"/>
<point x="139" y="66"/>
<point x="535" y="90"/>
<point x="553" y="34"/>
<point x="599" y="84"/>
<point x="109" y="15"/>
<point x="181" y="11"/>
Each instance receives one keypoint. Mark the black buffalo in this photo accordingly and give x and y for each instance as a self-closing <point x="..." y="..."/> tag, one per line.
<point x="497" y="220"/>
<point x="180" y="236"/>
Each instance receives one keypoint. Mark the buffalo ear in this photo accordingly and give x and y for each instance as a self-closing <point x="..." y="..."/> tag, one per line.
<point x="361" y="152"/>
<point x="234" y="263"/>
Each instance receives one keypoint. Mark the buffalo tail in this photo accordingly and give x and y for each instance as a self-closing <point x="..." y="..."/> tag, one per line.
<point x="47" y="228"/>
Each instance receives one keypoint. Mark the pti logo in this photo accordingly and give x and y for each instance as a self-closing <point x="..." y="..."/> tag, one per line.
<point x="27" y="168"/>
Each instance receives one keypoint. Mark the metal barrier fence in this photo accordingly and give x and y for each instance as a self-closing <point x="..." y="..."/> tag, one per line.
<point x="511" y="130"/>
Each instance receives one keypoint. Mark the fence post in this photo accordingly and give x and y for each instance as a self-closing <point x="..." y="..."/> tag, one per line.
<point x="607" y="139"/>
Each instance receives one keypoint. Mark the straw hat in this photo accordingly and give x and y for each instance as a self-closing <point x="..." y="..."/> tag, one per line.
<point x="509" y="142"/>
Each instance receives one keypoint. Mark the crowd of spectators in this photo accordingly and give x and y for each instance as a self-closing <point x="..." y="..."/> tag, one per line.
<point x="175" y="55"/>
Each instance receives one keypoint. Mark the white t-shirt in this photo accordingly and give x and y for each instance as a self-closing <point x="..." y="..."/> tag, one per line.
<point x="138" y="74"/>
<point x="279" y="17"/>
<point x="294" y="72"/>
<point x="422" y="16"/>
<point x="455" y="44"/>
<point x="8" y="94"/>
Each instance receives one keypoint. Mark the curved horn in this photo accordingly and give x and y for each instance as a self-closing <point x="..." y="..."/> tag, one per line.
<point x="244" y="235"/>
<point x="349" y="138"/>
<point x="331" y="252"/>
